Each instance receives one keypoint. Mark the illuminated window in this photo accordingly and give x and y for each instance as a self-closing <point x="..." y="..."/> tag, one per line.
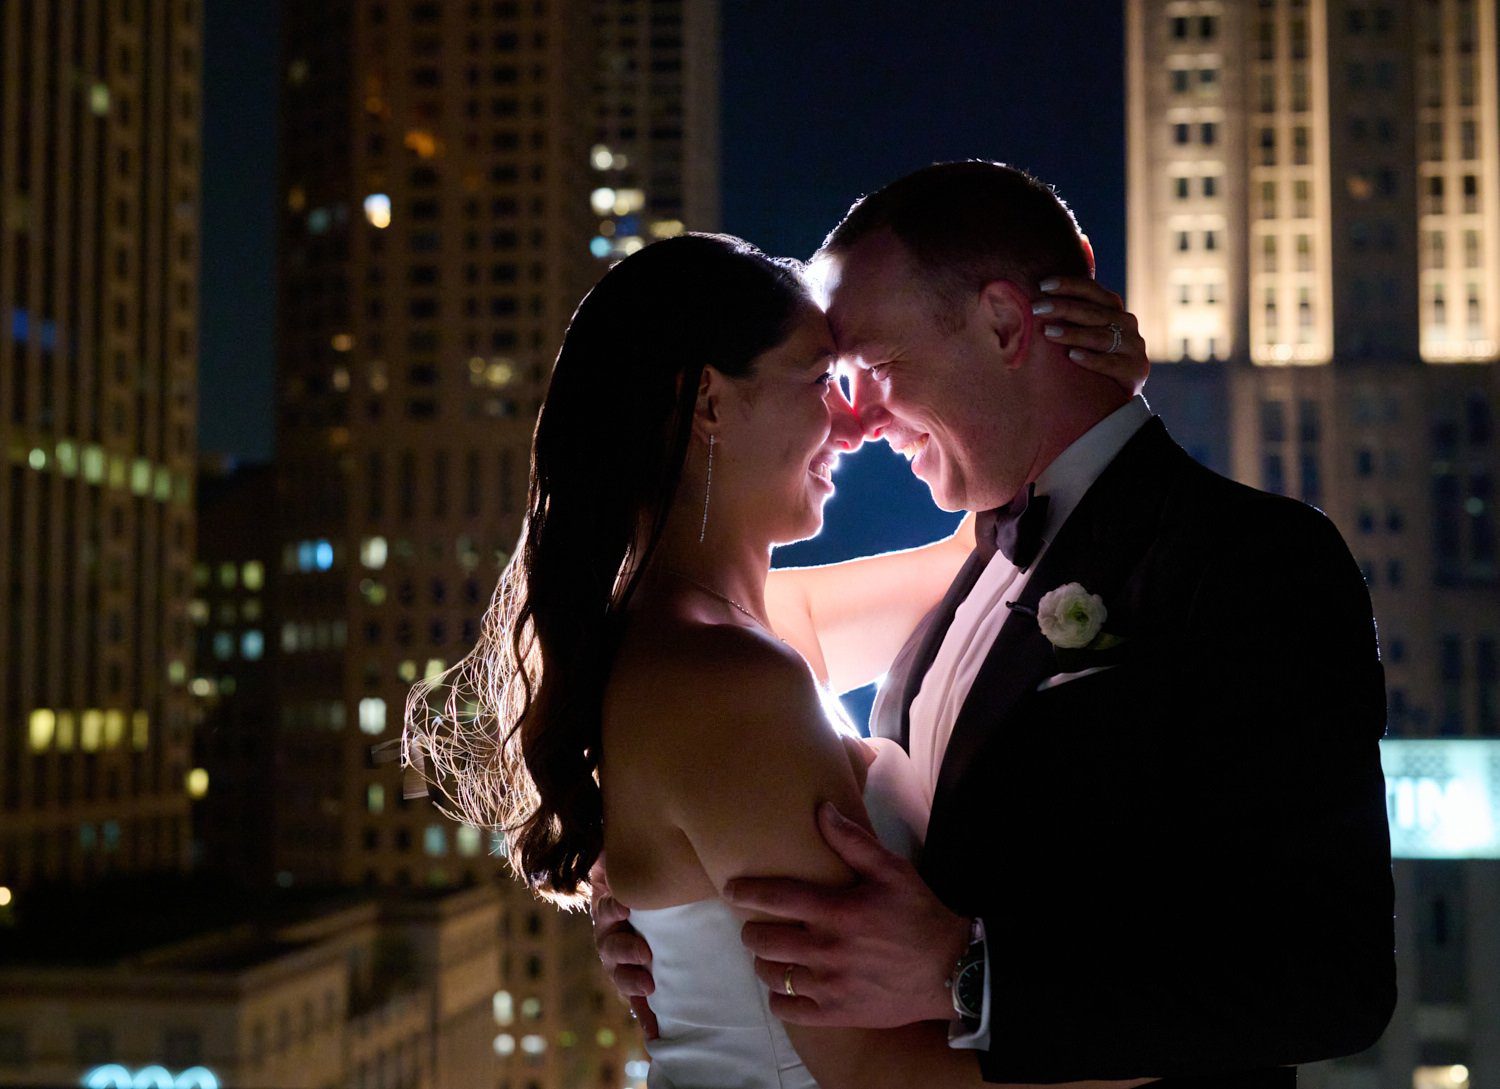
<point x="223" y="645"/>
<point x="505" y="1045"/>
<point x="373" y="552"/>
<point x="197" y="783"/>
<point x="43" y="729"/>
<point x="92" y="730"/>
<point x="435" y="841"/>
<point x="375" y="798"/>
<point x="468" y="840"/>
<point x="378" y="210"/>
<point x="66" y="731"/>
<point x="253" y="575"/>
<point x="114" y="728"/>
<point x="1440" y="1077"/>
<point x="252" y="645"/>
<point x="372" y="715"/>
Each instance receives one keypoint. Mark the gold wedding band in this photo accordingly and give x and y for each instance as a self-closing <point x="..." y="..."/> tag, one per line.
<point x="786" y="981"/>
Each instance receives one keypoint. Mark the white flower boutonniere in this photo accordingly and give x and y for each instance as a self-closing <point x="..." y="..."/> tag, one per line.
<point x="1072" y="618"/>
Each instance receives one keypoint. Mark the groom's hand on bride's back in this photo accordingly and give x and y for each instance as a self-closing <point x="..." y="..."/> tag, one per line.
<point x="624" y="953"/>
<point x="874" y="955"/>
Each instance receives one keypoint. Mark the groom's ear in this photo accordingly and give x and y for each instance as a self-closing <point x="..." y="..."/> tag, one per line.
<point x="1005" y="311"/>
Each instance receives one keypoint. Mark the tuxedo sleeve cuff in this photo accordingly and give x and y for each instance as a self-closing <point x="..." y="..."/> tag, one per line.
<point x="960" y="1035"/>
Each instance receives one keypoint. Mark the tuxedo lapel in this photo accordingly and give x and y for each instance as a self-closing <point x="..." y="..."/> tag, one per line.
<point x="1099" y="546"/>
<point x="891" y="714"/>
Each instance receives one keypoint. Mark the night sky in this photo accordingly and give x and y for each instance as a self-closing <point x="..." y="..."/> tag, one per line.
<point x="822" y="101"/>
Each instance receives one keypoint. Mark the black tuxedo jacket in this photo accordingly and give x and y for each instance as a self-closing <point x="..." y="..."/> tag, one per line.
<point x="1181" y="860"/>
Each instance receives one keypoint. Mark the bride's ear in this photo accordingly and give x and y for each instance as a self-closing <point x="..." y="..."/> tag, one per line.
<point x="706" y="412"/>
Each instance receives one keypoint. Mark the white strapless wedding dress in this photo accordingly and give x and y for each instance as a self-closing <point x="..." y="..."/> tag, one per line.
<point x="717" y="1030"/>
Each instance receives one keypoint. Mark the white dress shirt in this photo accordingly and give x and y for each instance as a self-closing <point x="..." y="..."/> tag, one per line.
<point x="980" y="616"/>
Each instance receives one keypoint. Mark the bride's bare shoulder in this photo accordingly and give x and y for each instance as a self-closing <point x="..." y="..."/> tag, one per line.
<point x="692" y="678"/>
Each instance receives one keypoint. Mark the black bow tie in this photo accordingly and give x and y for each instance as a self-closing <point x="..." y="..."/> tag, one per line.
<point x="1015" y="529"/>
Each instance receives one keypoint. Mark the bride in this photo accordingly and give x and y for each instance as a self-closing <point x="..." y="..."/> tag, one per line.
<point x="630" y="693"/>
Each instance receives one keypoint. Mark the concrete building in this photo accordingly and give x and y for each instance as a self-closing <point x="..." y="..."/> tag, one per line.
<point x="99" y="165"/>
<point x="444" y="185"/>
<point x="454" y="177"/>
<point x="1314" y="214"/>
<point x="367" y="994"/>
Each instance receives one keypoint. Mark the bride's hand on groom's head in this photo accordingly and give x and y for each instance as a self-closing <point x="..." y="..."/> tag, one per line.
<point x="876" y="954"/>
<point x="624" y="953"/>
<point x="1083" y="316"/>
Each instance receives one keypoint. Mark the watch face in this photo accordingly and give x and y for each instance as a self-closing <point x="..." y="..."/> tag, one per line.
<point x="969" y="987"/>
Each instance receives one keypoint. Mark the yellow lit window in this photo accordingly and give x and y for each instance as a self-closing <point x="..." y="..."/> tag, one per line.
<point x="67" y="734"/>
<point x="1440" y="1077"/>
<point x="140" y="731"/>
<point x="92" y="734"/>
<point x="197" y="783"/>
<point x="114" y="729"/>
<point x="422" y="142"/>
<point x="253" y="575"/>
<point x="43" y="729"/>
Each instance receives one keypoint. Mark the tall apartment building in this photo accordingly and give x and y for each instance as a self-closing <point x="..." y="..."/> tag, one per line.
<point x="99" y="146"/>
<point x="454" y="178"/>
<point x="1314" y="215"/>
<point x="1315" y="181"/>
<point x="444" y="184"/>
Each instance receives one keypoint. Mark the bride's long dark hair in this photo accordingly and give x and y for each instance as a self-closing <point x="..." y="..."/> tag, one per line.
<point x="510" y="735"/>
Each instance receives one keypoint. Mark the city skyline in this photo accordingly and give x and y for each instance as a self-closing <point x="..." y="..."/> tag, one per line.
<point x="879" y="77"/>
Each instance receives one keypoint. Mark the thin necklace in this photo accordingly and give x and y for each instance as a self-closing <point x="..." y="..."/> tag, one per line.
<point x="722" y="597"/>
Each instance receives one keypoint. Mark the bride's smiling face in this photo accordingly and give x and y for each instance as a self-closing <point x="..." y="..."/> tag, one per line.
<point x="781" y="432"/>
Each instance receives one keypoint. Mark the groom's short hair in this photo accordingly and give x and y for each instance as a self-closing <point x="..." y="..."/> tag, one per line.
<point x="967" y="224"/>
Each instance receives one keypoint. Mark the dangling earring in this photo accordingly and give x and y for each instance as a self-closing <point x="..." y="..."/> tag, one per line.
<point x="708" y="485"/>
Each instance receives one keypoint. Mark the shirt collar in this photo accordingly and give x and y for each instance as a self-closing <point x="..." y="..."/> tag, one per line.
<point x="1073" y="472"/>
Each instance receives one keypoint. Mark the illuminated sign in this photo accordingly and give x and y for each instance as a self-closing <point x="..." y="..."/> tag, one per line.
<point x="1442" y="798"/>
<point x="115" y="1076"/>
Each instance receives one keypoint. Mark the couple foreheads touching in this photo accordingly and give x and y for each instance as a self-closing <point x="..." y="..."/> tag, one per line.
<point x="1121" y="817"/>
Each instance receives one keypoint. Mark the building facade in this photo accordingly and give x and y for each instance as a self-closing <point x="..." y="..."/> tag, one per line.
<point x="454" y="177"/>
<point x="99" y="179"/>
<point x="1314" y="189"/>
<point x="396" y="994"/>
<point x="449" y="173"/>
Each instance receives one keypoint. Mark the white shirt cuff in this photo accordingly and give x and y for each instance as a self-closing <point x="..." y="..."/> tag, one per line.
<point x="977" y="1039"/>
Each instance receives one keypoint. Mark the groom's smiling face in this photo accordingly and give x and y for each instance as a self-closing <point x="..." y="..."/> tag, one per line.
<point x="925" y="376"/>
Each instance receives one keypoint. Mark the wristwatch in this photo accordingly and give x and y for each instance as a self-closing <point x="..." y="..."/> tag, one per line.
<point x="967" y="982"/>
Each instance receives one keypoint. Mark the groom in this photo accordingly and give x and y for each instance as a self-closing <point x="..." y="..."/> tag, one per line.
<point x="1148" y="706"/>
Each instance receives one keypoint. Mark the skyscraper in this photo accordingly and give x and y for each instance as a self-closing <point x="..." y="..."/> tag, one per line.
<point x="454" y="177"/>
<point x="99" y="149"/>
<point x="1314" y="182"/>
<point x="1314" y="213"/>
